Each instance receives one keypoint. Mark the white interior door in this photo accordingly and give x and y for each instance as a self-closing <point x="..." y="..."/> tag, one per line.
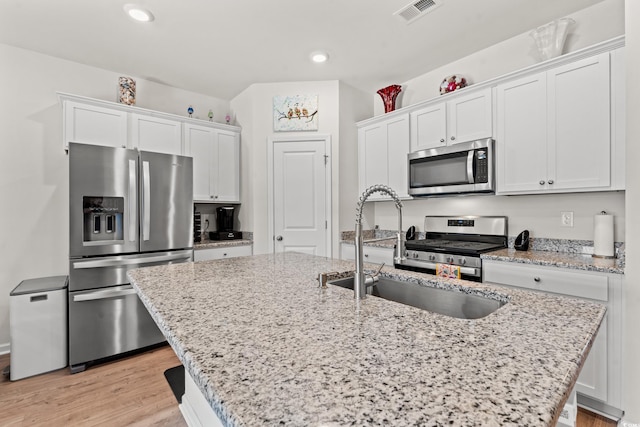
<point x="300" y="202"/>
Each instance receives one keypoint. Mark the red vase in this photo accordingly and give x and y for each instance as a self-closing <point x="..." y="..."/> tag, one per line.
<point x="389" y="95"/>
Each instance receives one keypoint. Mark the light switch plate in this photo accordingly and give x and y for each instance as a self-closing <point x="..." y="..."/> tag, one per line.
<point x="566" y="219"/>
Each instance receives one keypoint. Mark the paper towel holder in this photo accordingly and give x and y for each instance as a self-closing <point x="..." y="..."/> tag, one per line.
<point x="604" y="256"/>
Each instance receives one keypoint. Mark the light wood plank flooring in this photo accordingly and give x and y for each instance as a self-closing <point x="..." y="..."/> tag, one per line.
<point x="127" y="392"/>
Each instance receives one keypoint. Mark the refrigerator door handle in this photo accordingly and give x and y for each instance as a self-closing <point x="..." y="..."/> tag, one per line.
<point x="78" y="265"/>
<point x="146" y="202"/>
<point x="108" y="293"/>
<point x="133" y="200"/>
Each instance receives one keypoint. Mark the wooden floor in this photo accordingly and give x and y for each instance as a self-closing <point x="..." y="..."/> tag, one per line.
<point x="127" y="392"/>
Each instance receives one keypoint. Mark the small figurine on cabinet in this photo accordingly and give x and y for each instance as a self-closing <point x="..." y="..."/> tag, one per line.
<point x="190" y="110"/>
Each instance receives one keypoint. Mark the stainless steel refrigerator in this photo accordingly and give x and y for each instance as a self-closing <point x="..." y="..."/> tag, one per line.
<point x="127" y="209"/>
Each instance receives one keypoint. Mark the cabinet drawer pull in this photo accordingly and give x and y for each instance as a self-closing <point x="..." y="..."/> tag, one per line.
<point x="441" y="139"/>
<point x="542" y="182"/>
<point x="453" y="138"/>
<point x="536" y="279"/>
<point x="366" y="255"/>
<point x="550" y="181"/>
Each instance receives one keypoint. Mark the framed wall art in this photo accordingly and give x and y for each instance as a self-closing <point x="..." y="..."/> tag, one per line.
<point x="295" y="113"/>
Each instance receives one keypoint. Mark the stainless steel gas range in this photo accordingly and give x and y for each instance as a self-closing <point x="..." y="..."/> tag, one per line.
<point x="457" y="242"/>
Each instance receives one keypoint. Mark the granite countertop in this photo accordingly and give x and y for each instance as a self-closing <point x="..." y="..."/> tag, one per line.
<point x="267" y="346"/>
<point x="211" y="244"/>
<point x="383" y="242"/>
<point x="557" y="259"/>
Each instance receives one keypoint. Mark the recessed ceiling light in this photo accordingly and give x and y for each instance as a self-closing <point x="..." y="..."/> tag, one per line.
<point x="319" y="56"/>
<point x="138" y="13"/>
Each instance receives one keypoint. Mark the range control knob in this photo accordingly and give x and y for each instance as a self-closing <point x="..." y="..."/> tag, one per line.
<point x="462" y="261"/>
<point x="432" y="257"/>
<point x="415" y="255"/>
<point x="450" y="259"/>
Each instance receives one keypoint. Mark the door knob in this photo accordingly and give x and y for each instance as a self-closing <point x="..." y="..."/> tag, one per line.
<point x="279" y="238"/>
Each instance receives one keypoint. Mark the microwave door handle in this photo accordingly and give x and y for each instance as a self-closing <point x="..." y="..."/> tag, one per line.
<point x="133" y="201"/>
<point x="146" y="201"/>
<point x="470" y="166"/>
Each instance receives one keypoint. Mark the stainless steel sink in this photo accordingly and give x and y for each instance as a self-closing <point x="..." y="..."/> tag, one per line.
<point x="441" y="301"/>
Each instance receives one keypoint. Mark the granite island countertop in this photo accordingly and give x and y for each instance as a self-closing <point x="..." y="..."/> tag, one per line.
<point x="572" y="261"/>
<point x="267" y="346"/>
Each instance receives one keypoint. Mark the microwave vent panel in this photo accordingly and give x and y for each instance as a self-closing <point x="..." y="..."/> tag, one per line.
<point x="415" y="10"/>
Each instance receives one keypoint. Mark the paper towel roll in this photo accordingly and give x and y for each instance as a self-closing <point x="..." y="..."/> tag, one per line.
<point x="603" y="235"/>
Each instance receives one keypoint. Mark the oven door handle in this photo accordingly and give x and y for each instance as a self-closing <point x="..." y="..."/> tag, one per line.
<point x="470" y="176"/>
<point x="105" y="294"/>
<point x="471" y="271"/>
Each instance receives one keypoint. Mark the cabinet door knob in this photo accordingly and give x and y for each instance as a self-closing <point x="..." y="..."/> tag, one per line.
<point x="536" y="279"/>
<point x="453" y="138"/>
<point x="366" y="255"/>
<point x="224" y="254"/>
<point x="279" y="238"/>
<point x="550" y="181"/>
<point x="542" y="182"/>
<point x="215" y="197"/>
<point x="441" y="139"/>
<point x="211" y="197"/>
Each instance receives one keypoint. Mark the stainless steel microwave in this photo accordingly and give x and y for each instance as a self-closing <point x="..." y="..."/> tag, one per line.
<point x="467" y="167"/>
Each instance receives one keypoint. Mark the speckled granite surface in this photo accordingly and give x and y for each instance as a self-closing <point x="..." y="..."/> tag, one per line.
<point x="209" y="244"/>
<point x="377" y="242"/>
<point x="558" y="259"/>
<point x="267" y="346"/>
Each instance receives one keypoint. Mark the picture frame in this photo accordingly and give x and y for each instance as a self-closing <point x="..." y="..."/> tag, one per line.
<point x="293" y="113"/>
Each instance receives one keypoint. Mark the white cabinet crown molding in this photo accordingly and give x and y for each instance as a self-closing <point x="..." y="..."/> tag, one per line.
<point x="62" y="96"/>
<point x="602" y="47"/>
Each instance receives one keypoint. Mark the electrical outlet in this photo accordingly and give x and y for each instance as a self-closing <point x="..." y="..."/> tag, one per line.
<point x="566" y="219"/>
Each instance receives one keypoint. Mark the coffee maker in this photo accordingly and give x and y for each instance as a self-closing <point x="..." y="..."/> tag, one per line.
<point x="225" y="219"/>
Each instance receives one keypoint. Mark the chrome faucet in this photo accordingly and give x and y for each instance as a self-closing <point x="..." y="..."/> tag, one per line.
<point x="360" y="282"/>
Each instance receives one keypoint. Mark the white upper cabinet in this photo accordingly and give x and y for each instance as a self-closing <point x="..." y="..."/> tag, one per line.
<point x="216" y="163"/>
<point x="553" y="130"/>
<point x="92" y="124"/>
<point x="462" y="118"/>
<point x="382" y="156"/>
<point x="226" y="184"/>
<point x="156" y="134"/>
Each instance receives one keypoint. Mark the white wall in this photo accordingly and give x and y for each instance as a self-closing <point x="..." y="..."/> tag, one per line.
<point x="355" y="105"/>
<point x="631" y="343"/>
<point x="600" y="22"/>
<point x="34" y="173"/>
<point x="253" y="110"/>
<point x="538" y="214"/>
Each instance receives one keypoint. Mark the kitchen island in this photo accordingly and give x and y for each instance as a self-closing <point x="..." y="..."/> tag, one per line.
<point x="266" y="346"/>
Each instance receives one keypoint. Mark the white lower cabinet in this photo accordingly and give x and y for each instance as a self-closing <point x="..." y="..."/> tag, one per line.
<point x="600" y="378"/>
<point x="220" y="253"/>
<point x="373" y="254"/>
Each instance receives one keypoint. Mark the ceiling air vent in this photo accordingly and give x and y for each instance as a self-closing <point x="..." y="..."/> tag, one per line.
<point x="418" y="9"/>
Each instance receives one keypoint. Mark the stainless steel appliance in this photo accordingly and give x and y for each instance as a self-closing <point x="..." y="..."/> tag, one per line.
<point x="455" y="241"/>
<point x="460" y="168"/>
<point x="225" y="220"/>
<point x="127" y="209"/>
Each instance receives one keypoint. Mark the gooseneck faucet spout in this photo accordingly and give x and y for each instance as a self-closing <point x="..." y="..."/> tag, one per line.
<point x="360" y="282"/>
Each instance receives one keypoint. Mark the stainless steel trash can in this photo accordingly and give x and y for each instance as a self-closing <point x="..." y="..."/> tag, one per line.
<point x="38" y="326"/>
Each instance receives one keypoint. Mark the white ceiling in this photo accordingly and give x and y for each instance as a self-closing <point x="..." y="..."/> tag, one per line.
<point x="219" y="48"/>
